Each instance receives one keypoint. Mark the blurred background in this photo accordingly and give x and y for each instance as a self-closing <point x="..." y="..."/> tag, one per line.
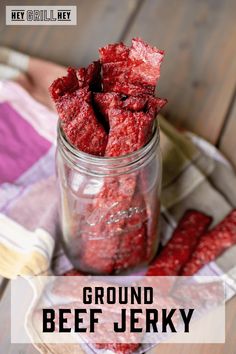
<point x="198" y="75"/>
<point x="198" y="36"/>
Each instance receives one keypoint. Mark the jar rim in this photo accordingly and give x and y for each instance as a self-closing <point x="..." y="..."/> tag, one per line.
<point x="94" y="159"/>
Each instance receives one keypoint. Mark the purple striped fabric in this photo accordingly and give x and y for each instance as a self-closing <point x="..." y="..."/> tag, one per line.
<point x="20" y="144"/>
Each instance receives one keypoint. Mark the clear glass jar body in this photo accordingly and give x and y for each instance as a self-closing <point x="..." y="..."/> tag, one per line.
<point x="109" y="207"/>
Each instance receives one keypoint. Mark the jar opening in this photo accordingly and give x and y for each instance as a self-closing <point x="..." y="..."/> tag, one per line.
<point x="80" y="158"/>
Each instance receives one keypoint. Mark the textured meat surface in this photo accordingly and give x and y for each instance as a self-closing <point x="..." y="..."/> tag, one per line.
<point x="212" y="244"/>
<point x="133" y="70"/>
<point x="181" y="245"/>
<point x="108" y="109"/>
<point x="73" y="100"/>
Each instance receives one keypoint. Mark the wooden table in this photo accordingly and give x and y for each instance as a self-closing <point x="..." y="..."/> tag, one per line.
<point x="198" y="76"/>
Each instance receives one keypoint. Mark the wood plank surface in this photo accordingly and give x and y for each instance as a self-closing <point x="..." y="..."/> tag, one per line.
<point x="198" y="78"/>
<point x="227" y="348"/>
<point x="227" y="143"/>
<point x="99" y="22"/>
<point x="199" y="71"/>
<point x="6" y="347"/>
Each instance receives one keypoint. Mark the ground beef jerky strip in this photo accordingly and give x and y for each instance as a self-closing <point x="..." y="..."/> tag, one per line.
<point x="132" y="249"/>
<point x="63" y="89"/>
<point x="212" y="244"/>
<point x="130" y="71"/>
<point x="136" y="126"/>
<point x="105" y="101"/>
<point x="181" y="245"/>
<point x="101" y="230"/>
<point x="74" y="105"/>
<point x="126" y="71"/>
<point x="133" y="241"/>
<point x="120" y="228"/>
<point x="153" y="106"/>
<point x="141" y="103"/>
<point x="90" y="76"/>
<point x="129" y="131"/>
<point x="118" y="348"/>
<point x="131" y="120"/>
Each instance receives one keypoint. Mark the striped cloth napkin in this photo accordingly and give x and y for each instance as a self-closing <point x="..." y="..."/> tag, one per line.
<point x="196" y="175"/>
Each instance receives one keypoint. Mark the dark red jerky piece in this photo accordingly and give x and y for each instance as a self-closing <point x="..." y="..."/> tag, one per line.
<point x="118" y="69"/>
<point x="85" y="132"/>
<point x="113" y="197"/>
<point x="152" y="204"/>
<point x="90" y="76"/>
<point x="133" y="242"/>
<point x="116" y="195"/>
<point x="155" y="104"/>
<point x="118" y="348"/>
<point x="113" y="53"/>
<point x="132" y="250"/>
<point x="65" y="84"/>
<point x="115" y="71"/>
<point x="81" y="76"/>
<point x="100" y="237"/>
<point x="152" y="209"/>
<point x="146" y="61"/>
<point x="129" y="131"/>
<point x="105" y="101"/>
<point x="181" y="245"/>
<point x="135" y="103"/>
<point x="69" y="105"/>
<point x="76" y="79"/>
<point x="74" y="106"/>
<point x="116" y="79"/>
<point x="212" y="244"/>
<point x="108" y="100"/>
<point x="134" y="72"/>
<point x="136" y="136"/>
<point x="127" y="88"/>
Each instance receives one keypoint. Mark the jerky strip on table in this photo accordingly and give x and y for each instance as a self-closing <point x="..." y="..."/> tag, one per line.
<point x="181" y="245"/>
<point x="212" y="244"/>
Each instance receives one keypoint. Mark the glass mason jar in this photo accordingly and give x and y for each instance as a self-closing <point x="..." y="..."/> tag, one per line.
<point x="109" y="207"/>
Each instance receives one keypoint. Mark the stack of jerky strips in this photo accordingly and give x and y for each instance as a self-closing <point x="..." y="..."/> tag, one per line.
<point x="112" y="115"/>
